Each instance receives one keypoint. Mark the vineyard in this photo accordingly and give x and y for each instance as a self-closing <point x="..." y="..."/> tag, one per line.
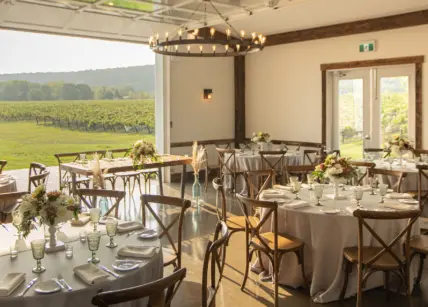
<point x="131" y="116"/>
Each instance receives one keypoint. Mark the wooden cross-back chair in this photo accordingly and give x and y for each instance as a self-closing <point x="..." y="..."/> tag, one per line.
<point x="298" y="170"/>
<point x="259" y="180"/>
<point x="213" y="265"/>
<point x="91" y="196"/>
<point x="271" y="243"/>
<point x="419" y="247"/>
<point x="422" y="176"/>
<point x="9" y="201"/>
<point x="2" y="165"/>
<point x="366" y="165"/>
<point x="398" y="175"/>
<point x="385" y="152"/>
<point x="37" y="175"/>
<point x="274" y="160"/>
<point x="228" y="166"/>
<point x="419" y="152"/>
<point x="160" y="292"/>
<point x="387" y="258"/>
<point x="171" y="256"/>
<point x="291" y="143"/>
<point x="312" y="155"/>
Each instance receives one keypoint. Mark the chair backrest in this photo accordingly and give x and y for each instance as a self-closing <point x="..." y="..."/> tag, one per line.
<point x="155" y="291"/>
<point x="398" y="175"/>
<point x="11" y="199"/>
<point x="298" y="170"/>
<point x="220" y="198"/>
<point x="227" y="159"/>
<point x="366" y="165"/>
<point x="388" y="248"/>
<point x="119" y="152"/>
<point x="183" y="204"/>
<point x="312" y="155"/>
<point x="91" y="196"/>
<point x="334" y="152"/>
<point x="422" y="175"/>
<point x="378" y="150"/>
<point x="37" y="175"/>
<point x="291" y="143"/>
<point x="2" y="165"/>
<point x="249" y="205"/>
<point x="214" y="260"/>
<point x="263" y="179"/>
<point x="418" y="152"/>
<point x="273" y="160"/>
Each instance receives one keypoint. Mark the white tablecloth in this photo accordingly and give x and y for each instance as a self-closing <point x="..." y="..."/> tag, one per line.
<point x="325" y="236"/>
<point x="56" y="263"/>
<point x="7" y="188"/>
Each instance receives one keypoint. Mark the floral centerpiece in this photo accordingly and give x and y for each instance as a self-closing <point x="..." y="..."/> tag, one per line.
<point x="261" y="138"/>
<point x="143" y="151"/>
<point x="198" y="162"/>
<point x="399" y="145"/>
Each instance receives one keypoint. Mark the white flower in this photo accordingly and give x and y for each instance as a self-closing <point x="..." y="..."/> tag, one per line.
<point x="27" y="206"/>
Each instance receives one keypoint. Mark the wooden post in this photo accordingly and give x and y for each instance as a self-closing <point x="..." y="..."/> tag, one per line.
<point x="239" y="63"/>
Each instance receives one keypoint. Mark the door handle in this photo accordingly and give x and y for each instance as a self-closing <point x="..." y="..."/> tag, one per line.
<point x="367" y="137"/>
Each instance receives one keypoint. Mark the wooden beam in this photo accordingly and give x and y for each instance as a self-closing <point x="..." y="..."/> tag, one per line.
<point x="324" y="107"/>
<point x="203" y="142"/>
<point x="376" y="62"/>
<point x="418" y="98"/>
<point x="350" y="28"/>
<point x="239" y="63"/>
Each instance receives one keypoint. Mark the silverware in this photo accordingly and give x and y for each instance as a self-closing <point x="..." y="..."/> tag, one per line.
<point x="108" y="271"/>
<point x="5" y="227"/>
<point x="58" y="283"/>
<point x="64" y="283"/>
<point x="30" y="284"/>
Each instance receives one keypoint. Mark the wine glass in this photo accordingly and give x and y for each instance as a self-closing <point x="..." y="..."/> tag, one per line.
<point x="372" y="183"/>
<point x="95" y="216"/>
<point x="383" y="189"/>
<point x="293" y="179"/>
<point x="109" y="155"/>
<point x="318" y="190"/>
<point x="310" y="181"/>
<point x="296" y="188"/>
<point x="93" y="245"/>
<point x="38" y="249"/>
<point x="111" y="227"/>
<point x="358" y="195"/>
<point x="242" y="147"/>
<point x="390" y="160"/>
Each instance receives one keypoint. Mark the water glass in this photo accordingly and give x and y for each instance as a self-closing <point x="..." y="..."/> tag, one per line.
<point x="390" y="160"/>
<point x="111" y="227"/>
<point x="109" y="155"/>
<point x="373" y="184"/>
<point x="95" y="216"/>
<point x="68" y="251"/>
<point x="82" y="236"/>
<point x="82" y="157"/>
<point x="242" y="147"/>
<point x="310" y="181"/>
<point x="13" y="252"/>
<point x="383" y="189"/>
<point x="358" y="195"/>
<point x="318" y="191"/>
<point x="296" y="188"/>
<point x="38" y="249"/>
<point x="93" y="245"/>
<point x="294" y="179"/>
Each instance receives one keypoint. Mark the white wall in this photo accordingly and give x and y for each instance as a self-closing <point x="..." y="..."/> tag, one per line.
<point x="283" y="83"/>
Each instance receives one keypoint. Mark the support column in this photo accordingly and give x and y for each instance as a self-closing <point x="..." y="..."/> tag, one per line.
<point x="239" y="63"/>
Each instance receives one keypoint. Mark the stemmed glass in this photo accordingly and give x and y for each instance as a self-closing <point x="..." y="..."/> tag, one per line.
<point x="93" y="245"/>
<point x="318" y="189"/>
<point x="109" y="155"/>
<point x="38" y="249"/>
<point x="95" y="216"/>
<point x="358" y="195"/>
<point x="373" y="184"/>
<point x="111" y="227"/>
<point x="310" y="181"/>
<point x="293" y="179"/>
<point x="296" y="188"/>
<point x="390" y="161"/>
<point x="242" y="147"/>
<point x="383" y="189"/>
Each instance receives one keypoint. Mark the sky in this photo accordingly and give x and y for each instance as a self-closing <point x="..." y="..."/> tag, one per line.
<point x="31" y="52"/>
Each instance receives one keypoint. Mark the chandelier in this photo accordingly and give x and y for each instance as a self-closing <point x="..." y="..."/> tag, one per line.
<point x="206" y="42"/>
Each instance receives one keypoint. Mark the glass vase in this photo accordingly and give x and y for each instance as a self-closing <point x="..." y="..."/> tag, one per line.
<point x="196" y="189"/>
<point x="103" y="205"/>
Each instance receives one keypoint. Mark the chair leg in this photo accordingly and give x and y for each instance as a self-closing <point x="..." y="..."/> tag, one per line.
<point x="275" y="277"/>
<point x="421" y="269"/>
<point x="360" y="285"/>
<point x="386" y="283"/>
<point x="247" y="262"/>
<point x="348" y="270"/>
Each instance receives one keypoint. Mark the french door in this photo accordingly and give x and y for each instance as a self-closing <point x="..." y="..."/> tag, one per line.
<point x="370" y="106"/>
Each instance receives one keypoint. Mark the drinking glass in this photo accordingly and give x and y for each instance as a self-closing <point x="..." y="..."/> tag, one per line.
<point x="111" y="227"/>
<point x="390" y="160"/>
<point x="93" y="245"/>
<point x="296" y="188"/>
<point x="82" y="157"/>
<point x="13" y="252"/>
<point x="294" y="179"/>
<point x="242" y="147"/>
<point x="109" y="155"/>
<point x="95" y="216"/>
<point x="318" y="190"/>
<point x="68" y="251"/>
<point x="310" y="181"/>
<point x="82" y="236"/>
<point x="38" y="249"/>
<point x="383" y="189"/>
<point x="372" y="183"/>
<point x="358" y="195"/>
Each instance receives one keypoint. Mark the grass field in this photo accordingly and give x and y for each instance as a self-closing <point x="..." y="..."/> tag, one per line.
<point x="353" y="149"/>
<point x="24" y="142"/>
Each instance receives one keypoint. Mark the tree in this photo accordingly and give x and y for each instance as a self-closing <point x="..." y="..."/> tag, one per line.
<point x="36" y="94"/>
<point x="84" y="92"/>
<point x="69" y="92"/>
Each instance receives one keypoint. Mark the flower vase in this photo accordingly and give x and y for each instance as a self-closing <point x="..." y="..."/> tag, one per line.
<point x="53" y="244"/>
<point x="263" y="146"/>
<point x="196" y="189"/>
<point x="336" y="195"/>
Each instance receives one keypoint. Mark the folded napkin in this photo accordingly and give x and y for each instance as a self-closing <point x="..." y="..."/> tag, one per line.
<point x="400" y="206"/>
<point x="350" y="209"/>
<point x="296" y="204"/>
<point x="272" y="195"/>
<point x="398" y="196"/>
<point x="128" y="226"/>
<point x="137" y="251"/>
<point x="83" y="220"/>
<point x="10" y="282"/>
<point x="282" y="187"/>
<point x="90" y="273"/>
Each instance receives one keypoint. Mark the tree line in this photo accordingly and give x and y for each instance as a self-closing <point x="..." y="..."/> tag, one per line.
<point x="28" y="91"/>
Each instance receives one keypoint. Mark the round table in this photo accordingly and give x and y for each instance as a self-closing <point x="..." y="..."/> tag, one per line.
<point x="325" y="236"/>
<point x="56" y="263"/>
<point x="7" y="187"/>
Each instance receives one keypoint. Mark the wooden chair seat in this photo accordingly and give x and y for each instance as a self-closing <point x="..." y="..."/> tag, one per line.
<point x="169" y="256"/>
<point x="285" y="242"/>
<point x="385" y="262"/>
<point x="420" y="244"/>
<point x="238" y="222"/>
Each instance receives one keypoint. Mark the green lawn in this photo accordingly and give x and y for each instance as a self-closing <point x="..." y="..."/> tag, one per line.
<point x="353" y="149"/>
<point x="24" y="142"/>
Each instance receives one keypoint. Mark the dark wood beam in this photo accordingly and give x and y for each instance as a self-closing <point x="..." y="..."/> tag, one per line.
<point x="350" y="28"/>
<point x="239" y="63"/>
<point x="376" y="62"/>
<point x="418" y="98"/>
<point x="203" y="142"/>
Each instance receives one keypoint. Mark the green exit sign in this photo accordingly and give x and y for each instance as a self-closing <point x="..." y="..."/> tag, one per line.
<point x="367" y="46"/>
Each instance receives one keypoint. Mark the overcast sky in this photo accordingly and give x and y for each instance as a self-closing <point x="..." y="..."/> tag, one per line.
<point x="31" y="52"/>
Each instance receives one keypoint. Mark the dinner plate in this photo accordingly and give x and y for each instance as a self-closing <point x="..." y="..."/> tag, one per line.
<point x="46" y="287"/>
<point x="409" y="201"/>
<point x="148" y="234"/>
<point x="330" y="210"/>
<point x="4" y="180"/>
<point x="125" y="265"/>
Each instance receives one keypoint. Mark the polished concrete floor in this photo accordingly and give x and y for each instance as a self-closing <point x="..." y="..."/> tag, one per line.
<point x="199" y="225"/>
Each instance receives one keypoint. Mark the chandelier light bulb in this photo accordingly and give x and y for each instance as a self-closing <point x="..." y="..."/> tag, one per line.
<point x="188" y="48"/>
<point x="214" y="47"/>
<point x="212" y="32"/>
<point x="228" y="33"/>
<point x="260" y="37"/>
<point x="201" y="48"/>
<point x="242" y="34"/>
<point x="196" y="32"/>
<point x="238" y="47"/>
<point x="176" y="48"/>
<point x="226" y="47"/>
<point x="263" y="40"/>
<point x="180" y="32"/>
<point x="253" y="35"/>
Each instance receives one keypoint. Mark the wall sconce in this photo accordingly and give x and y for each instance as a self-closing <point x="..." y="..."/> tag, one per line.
<point x="208" y="94"/>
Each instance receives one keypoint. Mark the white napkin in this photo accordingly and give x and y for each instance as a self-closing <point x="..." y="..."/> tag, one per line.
<point x="90" y="273"/>
<point x="351" y="209"/>
<point x="398" y="196"/>
<point x="128" y="226"/>
<point x="137" y="251"/>
<point x="296" y="204"/>
<point x="83" y="220"/>
<point x="10" y="282"/>
<point x="400" y="206"/>
<point x="282" y="187"/>
<point x="272" y="195"/>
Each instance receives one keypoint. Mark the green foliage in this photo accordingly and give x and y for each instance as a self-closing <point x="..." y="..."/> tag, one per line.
<point x="348" y="132"/>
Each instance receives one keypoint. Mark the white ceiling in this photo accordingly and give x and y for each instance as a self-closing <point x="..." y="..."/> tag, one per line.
<point x="98" y="20"/>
